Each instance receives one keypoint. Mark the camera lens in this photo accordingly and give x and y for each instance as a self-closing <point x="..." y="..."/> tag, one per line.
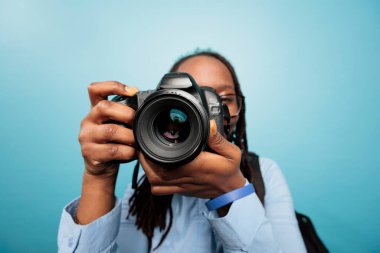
<point x="173" y="125"/>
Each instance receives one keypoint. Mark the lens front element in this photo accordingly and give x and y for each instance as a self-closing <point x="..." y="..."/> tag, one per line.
<point x="173" y="125"/>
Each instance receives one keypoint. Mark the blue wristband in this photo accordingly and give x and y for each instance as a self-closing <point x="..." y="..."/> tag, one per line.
<point x="230" y="197"/>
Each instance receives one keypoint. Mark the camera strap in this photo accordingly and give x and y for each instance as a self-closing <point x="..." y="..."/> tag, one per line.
<point x="227" y="117"/>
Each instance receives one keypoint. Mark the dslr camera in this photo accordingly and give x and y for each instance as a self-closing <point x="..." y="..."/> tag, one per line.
<point x="172" y="122"/>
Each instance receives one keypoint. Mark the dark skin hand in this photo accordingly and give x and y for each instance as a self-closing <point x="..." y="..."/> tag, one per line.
<point x="102" y="145"/>
<point x="209" y="175"/>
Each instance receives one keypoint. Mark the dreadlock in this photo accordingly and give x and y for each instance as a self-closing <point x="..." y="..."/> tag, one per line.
<point x="151" y="210"/>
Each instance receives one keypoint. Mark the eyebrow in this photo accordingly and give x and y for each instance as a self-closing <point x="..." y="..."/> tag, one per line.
<point x="226" y="86"/>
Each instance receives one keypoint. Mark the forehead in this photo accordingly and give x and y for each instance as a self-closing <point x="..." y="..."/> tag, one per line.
<point x="208" y="71"/>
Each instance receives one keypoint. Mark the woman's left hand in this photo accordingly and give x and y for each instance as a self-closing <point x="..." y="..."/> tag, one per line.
<point x="209" y="175"/>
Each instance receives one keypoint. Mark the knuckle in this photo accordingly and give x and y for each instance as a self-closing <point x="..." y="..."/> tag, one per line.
<point x="114" y="150"/>
<point x="92" y="86"/>
<point x="81" y="136"/>
<point x="83" y="132"/>
<point x="83" y="123"/>
<point x="219" y="140"/>
<point x="109" y="131"/>
<point x="86" y="150"/>
<point x="103" y="105"/>
<point x="115" y="85"/>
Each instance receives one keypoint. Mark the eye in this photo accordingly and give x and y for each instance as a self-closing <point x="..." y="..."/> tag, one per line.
<point x="227" y="99"/>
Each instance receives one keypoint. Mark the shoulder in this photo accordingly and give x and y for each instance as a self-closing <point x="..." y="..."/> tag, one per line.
<point x="276" y="186"/>
<point x="269" y="168"/>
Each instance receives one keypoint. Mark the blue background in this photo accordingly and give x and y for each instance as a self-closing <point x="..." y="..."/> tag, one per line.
<point x="310" y="70"/>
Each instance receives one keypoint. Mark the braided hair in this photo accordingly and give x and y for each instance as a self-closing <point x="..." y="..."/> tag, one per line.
<point x="151" y="211"/>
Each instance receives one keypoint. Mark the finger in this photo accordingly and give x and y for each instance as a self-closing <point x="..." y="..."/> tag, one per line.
<point x="204" y="167"/>
<point x="166" y="190"/>
<point x="202" y="191"/>
<point x="106" y="133"/>
<point x="221" y="145"/>
<point x="107" y="110"/>
<point x="101" y="90"/>
<point x="158" y="181"/>
<point x="158" y="175"/>
<point x="146" y="165"/>
<point x="108" y="152"/>
<point x="196" y="166"/>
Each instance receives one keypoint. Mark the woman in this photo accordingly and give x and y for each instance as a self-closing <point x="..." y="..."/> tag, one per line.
<point x="167" y="211"/>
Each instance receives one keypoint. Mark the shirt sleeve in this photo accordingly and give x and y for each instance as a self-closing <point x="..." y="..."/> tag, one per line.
<point x="98" y="236"/>
<point x="251" y="227"/>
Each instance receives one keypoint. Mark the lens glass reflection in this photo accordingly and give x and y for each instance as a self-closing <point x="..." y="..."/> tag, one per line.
<point x="173" y="125"/>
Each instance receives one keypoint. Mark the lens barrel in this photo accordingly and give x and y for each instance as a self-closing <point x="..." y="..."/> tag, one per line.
<point x="171" y="127"/>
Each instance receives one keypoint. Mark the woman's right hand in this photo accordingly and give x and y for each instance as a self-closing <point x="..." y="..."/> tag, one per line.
<point x="104" y="145"/>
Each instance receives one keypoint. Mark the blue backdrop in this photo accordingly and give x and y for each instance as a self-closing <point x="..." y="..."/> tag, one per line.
<point x="310" y="70"/>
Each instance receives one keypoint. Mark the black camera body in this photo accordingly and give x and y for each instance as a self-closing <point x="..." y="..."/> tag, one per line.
<point x="172" y="122"/>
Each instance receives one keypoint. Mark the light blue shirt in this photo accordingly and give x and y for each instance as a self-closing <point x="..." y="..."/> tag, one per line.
<point x="248" y="227"/>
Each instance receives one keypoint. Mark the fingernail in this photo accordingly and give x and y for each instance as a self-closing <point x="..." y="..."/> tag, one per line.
<point x="131" y="90"/>
<point x="135" y="90"/>
<point x="213" y="127"/>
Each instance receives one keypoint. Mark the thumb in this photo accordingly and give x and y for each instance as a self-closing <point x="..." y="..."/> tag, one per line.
<point x="217" y="142"/>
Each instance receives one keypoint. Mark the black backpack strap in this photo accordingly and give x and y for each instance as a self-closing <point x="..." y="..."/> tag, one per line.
<point x="310" y="237"/>
<point x="257" y="178"/>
